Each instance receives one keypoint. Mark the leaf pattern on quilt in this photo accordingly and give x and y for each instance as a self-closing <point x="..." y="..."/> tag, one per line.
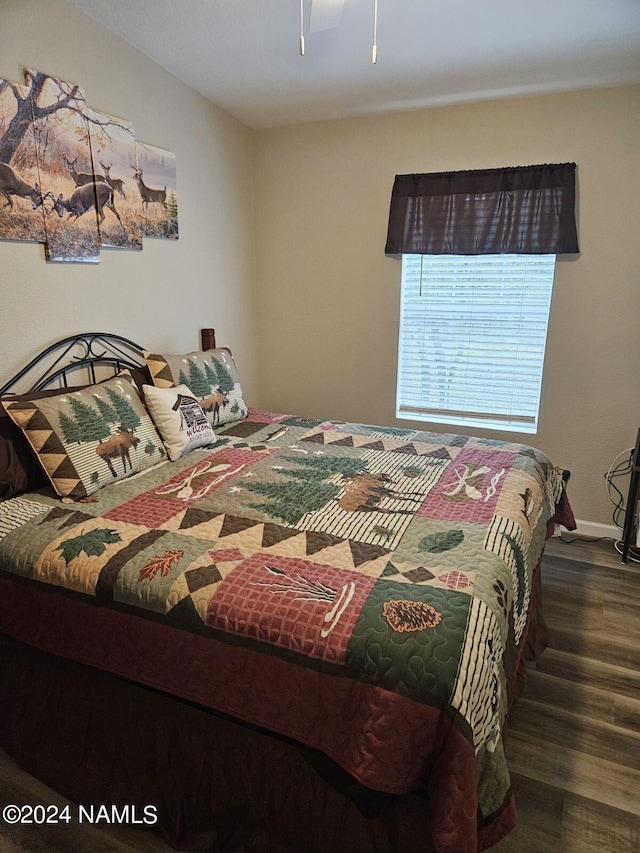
<point x="92" y="543"/>
<point x="160" y="564"/>
<point x="444" y="540"/>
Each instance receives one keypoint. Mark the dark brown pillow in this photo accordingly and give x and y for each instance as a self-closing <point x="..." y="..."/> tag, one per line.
<point x="20" y="469"/>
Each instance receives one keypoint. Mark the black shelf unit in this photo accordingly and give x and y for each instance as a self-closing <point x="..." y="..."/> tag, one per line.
<point x="632" y="501"/>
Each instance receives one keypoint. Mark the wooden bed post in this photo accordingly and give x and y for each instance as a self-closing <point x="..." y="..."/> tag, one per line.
<point x="208" y="338"/>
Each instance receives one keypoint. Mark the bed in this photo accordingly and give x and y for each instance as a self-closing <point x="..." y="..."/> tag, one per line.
<point x="289" y="633"/>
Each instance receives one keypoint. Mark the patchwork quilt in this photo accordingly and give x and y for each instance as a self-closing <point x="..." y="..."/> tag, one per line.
<point x="363" y="590"/>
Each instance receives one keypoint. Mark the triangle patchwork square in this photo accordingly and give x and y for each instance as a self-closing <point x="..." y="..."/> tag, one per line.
<point x="203" y="576"/>
<point x="407" y="448"/>
<point x="66" y="486"/>
<point x="373" y="445"/>
<point x="295" y="546"/>
<point x="339" y="556"/>
<point x="275" y="533"/>
<point x="60" y="466"/>
<point x="39" y="437"/>
<point x="363" y="552"/>
<point x="347" y="441"/>
<point x="52" y="444"/>
<point x="235" y="524"/>
<point x="318" y="541"/>
<point x="316" y="437"/>
<point x="194" y="516"/>
<point x="440" y="453"/>
<point x="160" y="370"/>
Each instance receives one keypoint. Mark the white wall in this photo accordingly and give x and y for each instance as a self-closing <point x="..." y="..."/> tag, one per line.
<point x="328" y="298"/>
<point x="161" y="296"/>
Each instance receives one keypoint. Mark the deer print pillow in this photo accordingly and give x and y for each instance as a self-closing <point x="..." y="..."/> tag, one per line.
<point x="179" y="419"/>
<point x="88" y="438"/>
<point x="211" y="376"/>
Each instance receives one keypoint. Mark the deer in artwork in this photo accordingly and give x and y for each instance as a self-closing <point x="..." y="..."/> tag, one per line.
<point x="117" y="447"/>
<point x="12" y="184"/>
<point x="98" y="195"/>
<point x="147" y="194"/>
<point x="80" y="178"/>
<point x="116" y="184"/>
<point x="213" y="403"/>
<point x="364" y="491"/>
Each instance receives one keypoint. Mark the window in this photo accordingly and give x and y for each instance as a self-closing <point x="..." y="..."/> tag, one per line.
<point x="479" y="249"/>
<point x="473" y="330"/>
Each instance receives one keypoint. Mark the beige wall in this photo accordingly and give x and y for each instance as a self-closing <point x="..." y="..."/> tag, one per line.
<point x="164" y="294"/>
<point x="325" y="298"/>
<point x="328" y="298"/>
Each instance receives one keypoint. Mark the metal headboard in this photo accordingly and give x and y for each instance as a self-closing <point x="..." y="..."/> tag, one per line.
<point x="78" y="353"/>
<point x="84" y="354"/>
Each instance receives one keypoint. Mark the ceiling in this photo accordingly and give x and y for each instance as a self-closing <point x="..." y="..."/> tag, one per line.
<point x="244" y="54"/>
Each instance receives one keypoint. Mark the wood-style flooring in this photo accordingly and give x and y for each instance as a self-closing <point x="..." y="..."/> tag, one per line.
<point x="574" y="738"/>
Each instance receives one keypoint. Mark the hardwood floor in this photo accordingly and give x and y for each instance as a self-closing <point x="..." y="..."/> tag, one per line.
<point x="574" y="740"/>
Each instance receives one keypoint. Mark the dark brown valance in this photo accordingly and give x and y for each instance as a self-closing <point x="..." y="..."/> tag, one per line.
<point x="517" y="210"/>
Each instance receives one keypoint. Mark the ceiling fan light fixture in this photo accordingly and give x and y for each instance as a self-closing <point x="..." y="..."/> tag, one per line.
<point x="374" y="51"/>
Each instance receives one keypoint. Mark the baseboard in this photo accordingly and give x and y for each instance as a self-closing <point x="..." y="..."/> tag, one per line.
<point x="592" y="529"/>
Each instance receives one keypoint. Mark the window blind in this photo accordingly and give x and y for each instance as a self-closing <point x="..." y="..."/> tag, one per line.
<point x="472" y="339"/>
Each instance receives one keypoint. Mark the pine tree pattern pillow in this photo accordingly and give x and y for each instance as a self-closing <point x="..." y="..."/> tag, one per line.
<point x="88" y="438"/>
<point x="212" y="377"/>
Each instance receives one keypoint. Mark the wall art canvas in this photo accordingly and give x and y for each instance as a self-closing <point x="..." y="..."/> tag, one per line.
<point x="19" y="179"/>
<point x="75" y="178"/>
<point x="155" y="177"/>
<point x="69" y="192"/>
<point x="113" y="150"/>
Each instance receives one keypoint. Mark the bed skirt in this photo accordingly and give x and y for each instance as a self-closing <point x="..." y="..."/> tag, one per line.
<point x="215" y="783"/>
<point x="98" y="739"/>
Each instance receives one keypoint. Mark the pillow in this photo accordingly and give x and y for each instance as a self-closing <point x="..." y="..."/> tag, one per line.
<point x="211" y="376"/>
<point x="140" y="375"/>
<point x="89" y="437"/>
<point x="179" y="419"/>
<point x="20" y="469"/>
